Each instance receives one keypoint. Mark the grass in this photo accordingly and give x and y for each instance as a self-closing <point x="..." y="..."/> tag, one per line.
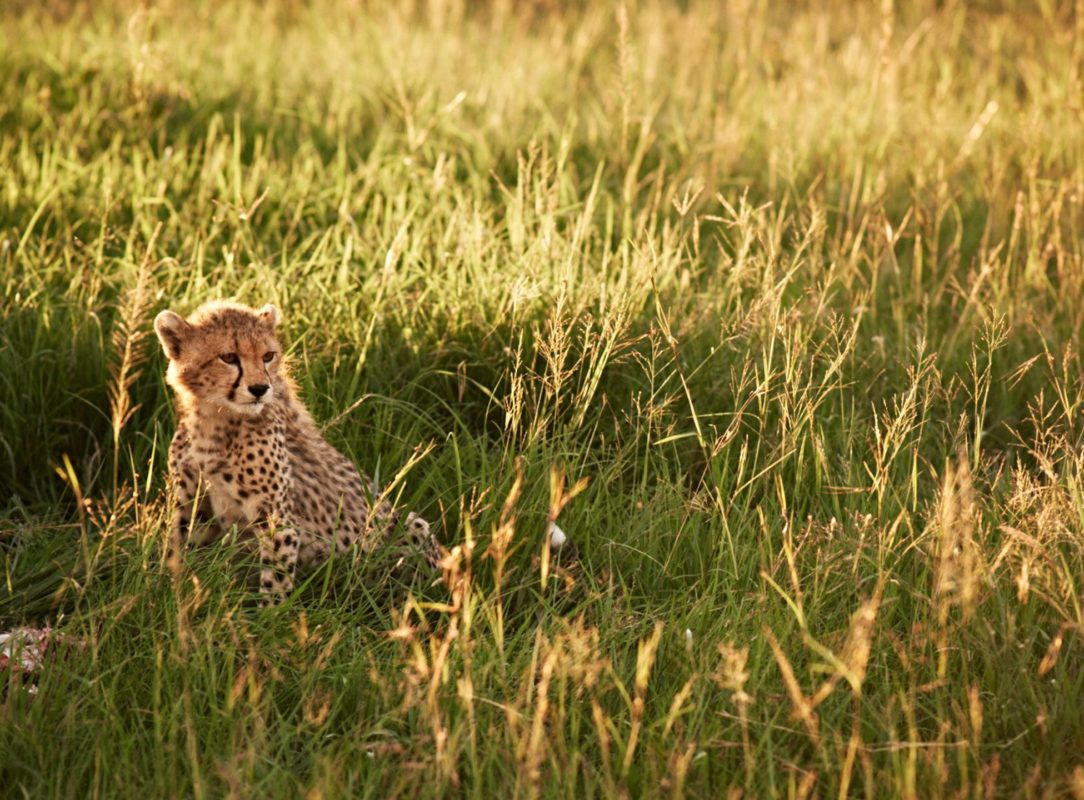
<point x="775" y="308"/>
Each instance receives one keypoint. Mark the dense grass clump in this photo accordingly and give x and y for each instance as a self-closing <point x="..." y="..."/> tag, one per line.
<point x="775" y="308"/>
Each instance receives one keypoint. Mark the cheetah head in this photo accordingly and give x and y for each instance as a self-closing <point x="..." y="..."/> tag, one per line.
<point x="224" y="356"/>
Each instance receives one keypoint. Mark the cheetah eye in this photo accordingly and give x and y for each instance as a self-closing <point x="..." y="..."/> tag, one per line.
<point x="229" y="358"/>
<point x="268" y="357"/>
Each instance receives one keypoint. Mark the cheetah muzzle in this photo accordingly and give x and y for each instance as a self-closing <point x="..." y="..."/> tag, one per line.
<point x="246" y="453"/>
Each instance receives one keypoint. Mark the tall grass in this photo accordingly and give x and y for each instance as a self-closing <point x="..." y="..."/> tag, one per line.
<point x="776" y="309"/>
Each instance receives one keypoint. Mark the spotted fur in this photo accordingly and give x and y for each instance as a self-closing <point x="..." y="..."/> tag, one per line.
<point x="246" y="453"/>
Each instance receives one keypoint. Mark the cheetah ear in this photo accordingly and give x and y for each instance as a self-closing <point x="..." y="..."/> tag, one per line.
<point x="270" y="315"/>
<point x="172" y="332"/>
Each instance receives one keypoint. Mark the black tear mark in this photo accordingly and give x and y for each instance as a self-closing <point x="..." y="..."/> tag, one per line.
<point x="236" y="383"/>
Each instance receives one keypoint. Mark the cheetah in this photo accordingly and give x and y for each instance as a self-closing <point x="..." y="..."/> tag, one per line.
<point x="246" y="453"/>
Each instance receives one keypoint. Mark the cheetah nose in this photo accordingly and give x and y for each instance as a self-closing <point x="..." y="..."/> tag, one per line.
<point x="258" y="389"/>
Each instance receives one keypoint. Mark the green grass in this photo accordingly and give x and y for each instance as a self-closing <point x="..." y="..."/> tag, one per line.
<point x="796" y="290"/>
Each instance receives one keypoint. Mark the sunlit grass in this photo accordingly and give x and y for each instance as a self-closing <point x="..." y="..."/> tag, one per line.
<point x="777" y="310"/>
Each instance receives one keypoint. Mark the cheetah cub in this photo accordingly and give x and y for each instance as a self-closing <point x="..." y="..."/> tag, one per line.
<point x="247" y="453"/>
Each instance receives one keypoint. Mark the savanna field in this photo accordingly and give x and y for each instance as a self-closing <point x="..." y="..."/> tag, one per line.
<point x="776" y="309"/>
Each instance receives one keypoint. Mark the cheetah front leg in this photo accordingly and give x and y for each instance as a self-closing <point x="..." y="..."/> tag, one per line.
<point x="187" y="504"/>
<point x="182" y="523"/>
<point x="278" y="559"/>
<point x="192" y="505"/>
